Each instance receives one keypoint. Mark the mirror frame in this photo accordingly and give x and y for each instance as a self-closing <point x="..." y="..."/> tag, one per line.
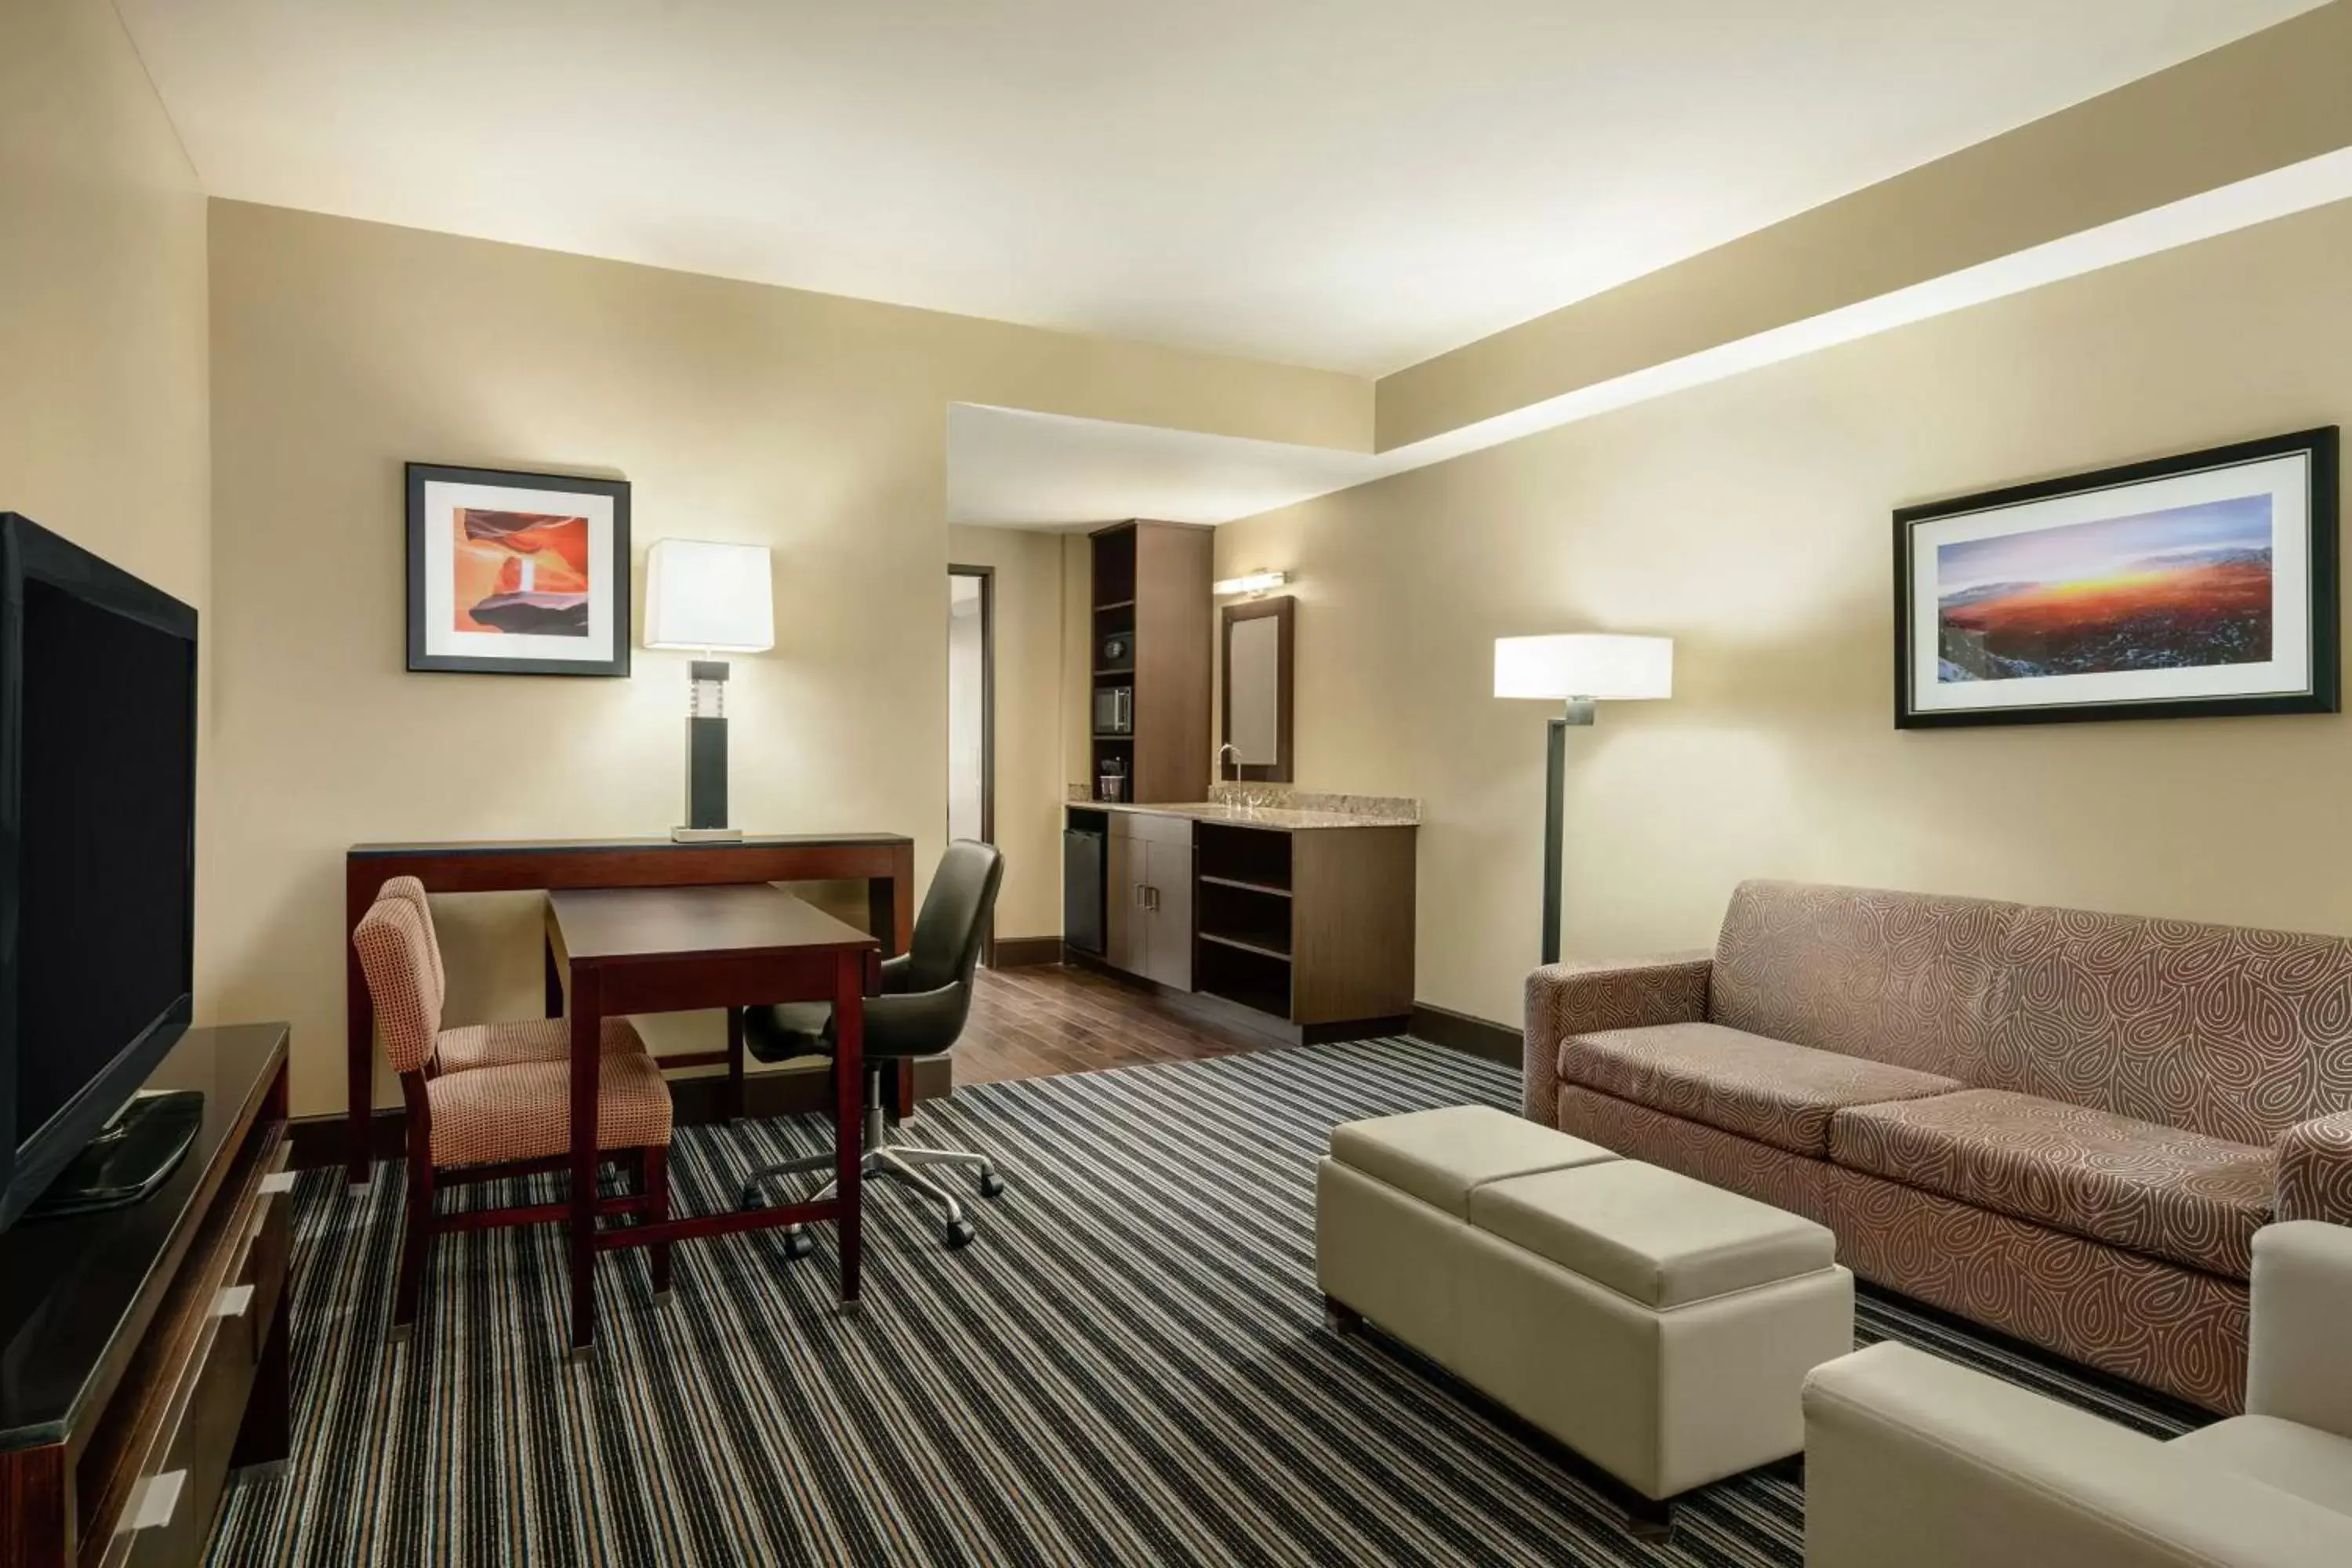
<point x="1280" y="607"/>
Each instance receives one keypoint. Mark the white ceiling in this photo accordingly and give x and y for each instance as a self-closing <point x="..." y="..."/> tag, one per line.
<point x="1356" y="184"/>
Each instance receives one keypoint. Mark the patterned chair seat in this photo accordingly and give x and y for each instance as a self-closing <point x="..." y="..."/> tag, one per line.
<point x="2155" y="1190"/>
<point x="477" y="1045"/>
<point x="523" y="1111"/>
<point x="1762" y="1088"/>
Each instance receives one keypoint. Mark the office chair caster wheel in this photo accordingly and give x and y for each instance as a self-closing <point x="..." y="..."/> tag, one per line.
<point x="991" y="1184"/>
<point x="751" y="1198"/>
<point x="798" y="1242"/>
<point x="960" y="1233"/>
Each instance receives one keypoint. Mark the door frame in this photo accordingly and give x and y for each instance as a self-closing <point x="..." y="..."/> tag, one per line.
<point x="987" y="579"/>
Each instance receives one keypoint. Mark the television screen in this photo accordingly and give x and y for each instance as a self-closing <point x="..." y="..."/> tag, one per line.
<point x="98" y="760"/>
<point x="103" y="869"/>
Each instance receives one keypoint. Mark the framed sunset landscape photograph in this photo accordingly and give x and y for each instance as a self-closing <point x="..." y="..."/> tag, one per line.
<point x="2200" y="584"/>
<point x="513" y="573"/>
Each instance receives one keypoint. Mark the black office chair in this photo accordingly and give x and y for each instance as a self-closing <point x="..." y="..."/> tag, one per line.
<point x="925" y="997"/>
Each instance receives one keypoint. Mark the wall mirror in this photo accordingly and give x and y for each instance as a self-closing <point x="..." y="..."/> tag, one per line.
<point x="1257" y="727"/>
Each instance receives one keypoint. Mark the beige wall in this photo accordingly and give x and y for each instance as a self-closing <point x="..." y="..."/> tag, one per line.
<point x="1749" y="520"/>
<point x="104" y="424"/>
<point x="103" y="433"/>
<point x="1029" y="720"/>
<point x="814" y="425"/>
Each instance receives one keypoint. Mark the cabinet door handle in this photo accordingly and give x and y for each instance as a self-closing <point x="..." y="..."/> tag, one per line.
<point x="1140" y="902"/>
<point x="1154" y="905"/>
<point x="232" y="1301"/>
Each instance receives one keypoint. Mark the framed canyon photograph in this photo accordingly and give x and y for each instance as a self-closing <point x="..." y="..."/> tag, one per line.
<point x="515" y="574"/>
<point x="2200" y="584"/>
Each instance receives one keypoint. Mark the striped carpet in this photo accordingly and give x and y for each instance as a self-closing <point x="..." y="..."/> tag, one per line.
<point x="1128" y="1367"/>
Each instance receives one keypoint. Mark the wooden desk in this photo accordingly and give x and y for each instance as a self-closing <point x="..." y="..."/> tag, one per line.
<point x="885" y="861"/>
<point x="672" y="950"/>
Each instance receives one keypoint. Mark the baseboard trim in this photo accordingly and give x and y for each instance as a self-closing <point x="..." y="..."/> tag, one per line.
<point x="1462" y="1032"/>
<point x="1026" y="952"/>
<point x="317" y="1141"/>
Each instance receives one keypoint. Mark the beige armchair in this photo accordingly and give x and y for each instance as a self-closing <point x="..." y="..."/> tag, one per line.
<point x="1919" y="1461"/>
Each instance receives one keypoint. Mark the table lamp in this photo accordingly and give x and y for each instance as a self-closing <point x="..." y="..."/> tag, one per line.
<point x="1580" y="670"/>
<point x="711" y="599"/>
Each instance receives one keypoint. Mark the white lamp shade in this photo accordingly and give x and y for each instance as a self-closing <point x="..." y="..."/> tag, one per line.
<point x="704" y="595"/>
<point x="1579" y="664"/>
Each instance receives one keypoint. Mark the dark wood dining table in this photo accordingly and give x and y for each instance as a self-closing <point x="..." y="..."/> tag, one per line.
<point x="665" y="950"/>
<point x="884" y="861"/>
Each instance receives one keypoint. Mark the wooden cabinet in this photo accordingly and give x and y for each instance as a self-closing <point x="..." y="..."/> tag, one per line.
<point x="147" y="1348"/>
<point x="1150" y="898"/>
<point x="1310" y="927"/>
<point x="1153" y="634"/>
<point x="1315" y="926"/>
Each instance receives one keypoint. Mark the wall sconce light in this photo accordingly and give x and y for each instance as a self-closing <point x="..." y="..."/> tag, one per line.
<point x="1252" y="584"/>
<point x="709" y="599"/>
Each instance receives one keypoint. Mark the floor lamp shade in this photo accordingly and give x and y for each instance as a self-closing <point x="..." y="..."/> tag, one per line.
<point x="710" y="598"/>
<point x="1607" y="669"/>
<point x="1576" y="669"/>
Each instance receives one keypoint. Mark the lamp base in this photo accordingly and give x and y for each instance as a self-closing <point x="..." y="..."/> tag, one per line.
<point x="706" y="836"/>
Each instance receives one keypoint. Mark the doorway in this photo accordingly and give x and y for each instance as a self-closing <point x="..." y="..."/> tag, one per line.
<point x="971" y="715"/>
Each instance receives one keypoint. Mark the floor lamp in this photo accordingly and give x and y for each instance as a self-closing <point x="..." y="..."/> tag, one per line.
<point x="1578" y="670"/>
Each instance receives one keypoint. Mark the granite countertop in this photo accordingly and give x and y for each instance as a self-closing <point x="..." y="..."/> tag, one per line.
<point x="1263" y="816"/>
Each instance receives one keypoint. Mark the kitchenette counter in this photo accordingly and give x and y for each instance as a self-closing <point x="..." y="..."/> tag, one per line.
<point x="1277" y="806"/>
<point x="1279" y="817"/>
<point x="1258" y="897"/>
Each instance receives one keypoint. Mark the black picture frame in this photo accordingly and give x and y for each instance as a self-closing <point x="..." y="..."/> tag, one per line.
<point x="2323" y="694"/>
<point x="615" y="659"/>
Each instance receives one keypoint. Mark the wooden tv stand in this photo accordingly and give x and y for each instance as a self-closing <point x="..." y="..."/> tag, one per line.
<point x="143" y="1351"/>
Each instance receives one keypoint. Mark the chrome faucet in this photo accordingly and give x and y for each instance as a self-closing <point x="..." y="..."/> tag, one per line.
<point x="1247" y="799"/>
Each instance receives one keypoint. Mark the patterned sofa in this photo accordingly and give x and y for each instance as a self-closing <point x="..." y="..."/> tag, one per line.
<point x="2065" y="1125"/>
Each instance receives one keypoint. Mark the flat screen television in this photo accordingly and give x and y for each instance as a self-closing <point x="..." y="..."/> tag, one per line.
<point x="97" y="772"/>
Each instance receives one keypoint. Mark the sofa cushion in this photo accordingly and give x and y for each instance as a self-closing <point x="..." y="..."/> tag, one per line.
<point x="1650" y="1234"/>
<point x="1762" y="1088"/>
<point x="1439" y="1156"/>
<point x="2179" y="1196"/>
<point x="2230" y="1031"/>
<point x="1913" y="978"/>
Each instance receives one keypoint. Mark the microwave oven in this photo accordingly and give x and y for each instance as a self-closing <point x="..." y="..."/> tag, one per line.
<point x="1114" y="709"/>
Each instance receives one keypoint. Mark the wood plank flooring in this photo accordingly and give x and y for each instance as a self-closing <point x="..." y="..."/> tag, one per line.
<point x="1038" y="1020"/>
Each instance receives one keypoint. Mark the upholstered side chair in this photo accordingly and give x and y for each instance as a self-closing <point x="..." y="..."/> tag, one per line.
<point x="490" y="1100"/>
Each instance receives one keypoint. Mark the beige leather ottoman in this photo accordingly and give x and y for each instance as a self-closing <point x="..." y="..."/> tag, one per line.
<point x="1660" y="1327"/>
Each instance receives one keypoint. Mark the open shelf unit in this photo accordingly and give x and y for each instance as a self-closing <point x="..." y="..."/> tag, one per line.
<point x="1245" y="911"/>
<point x="1238" y="974"/>
<point x="1150" y="588"/>
<point x="1245" y="886"/>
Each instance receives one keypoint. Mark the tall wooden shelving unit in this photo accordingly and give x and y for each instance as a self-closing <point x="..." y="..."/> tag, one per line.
<point x="1151" y="580"/>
